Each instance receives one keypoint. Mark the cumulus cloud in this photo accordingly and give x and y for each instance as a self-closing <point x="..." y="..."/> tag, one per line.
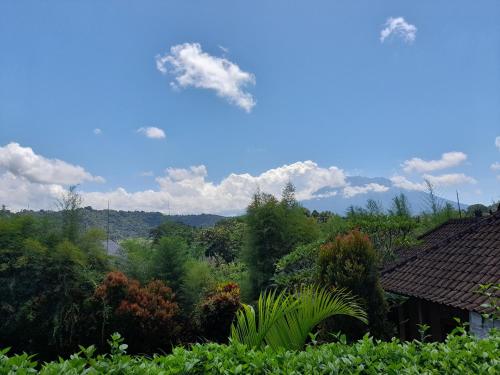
<point x="188" y="190"/>
<point x="351" y="191"/>
<point x="152" y="132"/>
<point x="443" y="180"/>
<point x="449" y="179"/>
<point x="190" y="66"/>
<point x="448" y="160"/>
<point x="97" y="131"/>
<point x="403" y="183"/>
<point x="17" y="192"/>
<point x="398" y="27"/>
<point x="22" y="162"/>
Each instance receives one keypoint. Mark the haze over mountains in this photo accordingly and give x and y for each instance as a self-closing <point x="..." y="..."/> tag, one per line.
<point x="384" y="192"/>
<point x="125" y="224"/>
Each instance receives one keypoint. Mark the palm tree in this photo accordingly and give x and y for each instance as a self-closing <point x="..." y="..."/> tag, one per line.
<point x="286" y="320"/>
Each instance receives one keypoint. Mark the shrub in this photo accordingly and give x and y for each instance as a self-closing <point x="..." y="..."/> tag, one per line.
<point x="350" y="262"/>
<point x="146" y="316"/>
<point x="217" y="311"/>
<point x="287" y="320"/>
<point x="460" y="354"/>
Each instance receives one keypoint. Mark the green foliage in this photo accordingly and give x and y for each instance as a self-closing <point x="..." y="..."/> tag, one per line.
<point x="387" y="232"/>
<point x="298" y="268"/>
<point x="216" y="312"/>
<point x="123" y="224"/>
<point x="70" y="204"/>
<point x="173" y="229"/>
<point x="350" y="262"/>
<point x="169" y="261"/>
<point x="224" y="240"/>
<point x="460" y="354"/>
<point x="274" y="228"/>
<point x="492" y="303"/>
<point x="286" y="320"/>
<point x="147" y="315"/>
<point x="138" y="263"/>
<point x="44" y="285"/>
<point x="198" y="280"/>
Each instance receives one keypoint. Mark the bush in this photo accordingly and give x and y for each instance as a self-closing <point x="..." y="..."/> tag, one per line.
<point x="350" y="262"/>
<point x="460" y="354"/>
<point x="217" y="311"/>
<point x="146" y="316"/>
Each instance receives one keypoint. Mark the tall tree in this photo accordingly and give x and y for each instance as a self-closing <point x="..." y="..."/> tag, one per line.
<point x="70" y="204"/>
<point x="274" y="228"/>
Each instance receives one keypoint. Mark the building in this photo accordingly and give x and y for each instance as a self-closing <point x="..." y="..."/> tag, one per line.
<point x="440" y="278"/>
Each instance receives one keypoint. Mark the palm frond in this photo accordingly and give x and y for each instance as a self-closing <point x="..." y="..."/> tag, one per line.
<point x="286" y="320"/>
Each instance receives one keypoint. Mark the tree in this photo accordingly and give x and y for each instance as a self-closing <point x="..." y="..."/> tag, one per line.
<point x="274" y="228"/>
<point x="70" y="204"/>
<point x="400" y="206"/>
<point x="43" y="287"/>
<point x="138" y="262"/>
<point x="224" y="240"/>
<point x="169" y="261"/>
<point x="350" y="262"/>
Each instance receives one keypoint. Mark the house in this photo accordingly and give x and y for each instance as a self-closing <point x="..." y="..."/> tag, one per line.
<point x="440" y="278"/>
<point x="112" y="248"/>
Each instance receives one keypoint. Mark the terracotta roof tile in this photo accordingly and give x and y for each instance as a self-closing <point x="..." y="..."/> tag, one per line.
<point x="449" y="264"/>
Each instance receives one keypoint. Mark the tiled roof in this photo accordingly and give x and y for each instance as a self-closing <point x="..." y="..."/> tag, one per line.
<point x="450" y="264"/>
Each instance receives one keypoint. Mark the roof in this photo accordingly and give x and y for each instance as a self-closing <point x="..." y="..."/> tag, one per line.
<point x="112" y="247"/>
<point x="428" y="240"/>
<point x="449" y="265"/>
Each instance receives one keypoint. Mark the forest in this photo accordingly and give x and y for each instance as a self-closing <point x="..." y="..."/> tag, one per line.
<point x="311" y="277"/>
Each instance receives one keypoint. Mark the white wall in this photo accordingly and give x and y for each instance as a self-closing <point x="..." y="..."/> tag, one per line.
<point x="479" y="326"/>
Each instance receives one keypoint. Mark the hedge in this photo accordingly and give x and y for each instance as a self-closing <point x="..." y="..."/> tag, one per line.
<point x="459" y="354"/>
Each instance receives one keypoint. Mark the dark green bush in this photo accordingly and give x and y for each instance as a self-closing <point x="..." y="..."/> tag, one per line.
<point x="460" y="354"/>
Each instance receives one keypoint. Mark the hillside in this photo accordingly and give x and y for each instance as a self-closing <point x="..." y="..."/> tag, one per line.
<point x="126" y="224"/>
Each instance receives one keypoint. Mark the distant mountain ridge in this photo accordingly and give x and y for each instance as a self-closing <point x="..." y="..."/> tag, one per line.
<point x="126" y="224"/>
<point x="334" y="200"/>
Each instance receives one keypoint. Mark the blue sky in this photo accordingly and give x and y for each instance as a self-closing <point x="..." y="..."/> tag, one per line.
<point x="253" y="94"/>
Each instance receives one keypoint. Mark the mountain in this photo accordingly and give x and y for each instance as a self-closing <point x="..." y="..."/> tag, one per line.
<point x="126" y="224"/>
<point x="336" y="201"/>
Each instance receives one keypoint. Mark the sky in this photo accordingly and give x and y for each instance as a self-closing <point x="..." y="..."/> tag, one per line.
<point x="190" y="106"/>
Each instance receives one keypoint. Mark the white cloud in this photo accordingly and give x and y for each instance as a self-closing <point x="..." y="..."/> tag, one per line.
<point x="437" y="181"/>
<point x="152" y="132"/>
<point x="147" y="174"/>
<point x="449" y="179"/>
<point x="97" y="131"/>
<point x="189" y="190"/>
<point x="497" y="142"/>
<point x="190" y="66"/>
<point x="398" y="27"/>
<point x="17" y="192"/>
<point x="448" y="160"/>
<point x="22" y="162"/>
<point x="403" y="183"/>
<point x="351" y="191"/>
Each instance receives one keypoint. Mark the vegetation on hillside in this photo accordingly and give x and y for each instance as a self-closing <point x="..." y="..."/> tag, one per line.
<point x="177" y="285"/>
